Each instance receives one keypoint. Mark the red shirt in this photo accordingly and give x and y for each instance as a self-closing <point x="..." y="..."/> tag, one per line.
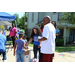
<point x="41" y="30"/>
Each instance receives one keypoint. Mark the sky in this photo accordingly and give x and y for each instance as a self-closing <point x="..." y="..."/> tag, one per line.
<point x="19" y="13"/>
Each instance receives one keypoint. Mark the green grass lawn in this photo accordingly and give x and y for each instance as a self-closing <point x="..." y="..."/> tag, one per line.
<point x="64" y="49"/>
<point x="61" y="49"/>
<point x="10" y="42"/>
<point x="57" y="49"/>
<point x="31" y="45"/>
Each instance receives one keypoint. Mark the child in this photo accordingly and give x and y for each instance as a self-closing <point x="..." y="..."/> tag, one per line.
<point x="4" y="33"/>
<point x="34" y="36"/>
<point x="20" y="48"/>
<point x="25" y="39"/>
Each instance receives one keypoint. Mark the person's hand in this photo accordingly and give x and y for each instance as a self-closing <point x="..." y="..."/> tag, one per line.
<point x="39" y="40"/>
<point x="27" y="45"/>
<point x="14" y="54"/>
<point x="56" y="34"/>
<point x="39" y="46"/>
<point x="27" y="50"/>
<point x="15" y="37"/>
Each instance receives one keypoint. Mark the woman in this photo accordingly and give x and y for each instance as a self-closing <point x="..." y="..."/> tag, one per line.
<point x="13" y="32"/>
<point x="57" y="31"/>
<point x="34" y="36"/>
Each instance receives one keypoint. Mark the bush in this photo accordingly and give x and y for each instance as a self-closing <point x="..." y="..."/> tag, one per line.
<point x="60" y="42"/>
<point x="28" y="38"/>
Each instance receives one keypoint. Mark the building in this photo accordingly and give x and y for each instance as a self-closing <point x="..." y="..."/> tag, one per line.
<point x="67" y="32"/>
<point x="4" y="25"/>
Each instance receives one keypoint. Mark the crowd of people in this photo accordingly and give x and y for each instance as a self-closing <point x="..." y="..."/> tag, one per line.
<point x="44" y="38"/>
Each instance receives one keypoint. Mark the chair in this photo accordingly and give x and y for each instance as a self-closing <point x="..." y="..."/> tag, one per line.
<point x="9" y="39"/>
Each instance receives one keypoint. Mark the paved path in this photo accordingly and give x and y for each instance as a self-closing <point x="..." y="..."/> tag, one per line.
<point x="59" y="57"/>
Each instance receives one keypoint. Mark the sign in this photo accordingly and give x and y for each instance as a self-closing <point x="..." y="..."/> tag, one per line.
<point x="1" y="27"/>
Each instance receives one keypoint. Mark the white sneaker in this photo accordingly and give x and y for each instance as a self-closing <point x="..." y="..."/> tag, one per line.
<point x="4" y="60"/>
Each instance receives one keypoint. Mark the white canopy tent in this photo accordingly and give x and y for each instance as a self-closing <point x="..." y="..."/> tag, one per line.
<point x="5" y="23"/>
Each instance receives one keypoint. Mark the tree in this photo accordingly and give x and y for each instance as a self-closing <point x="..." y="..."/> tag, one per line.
<point x="68" y="17"/>
<point x="22" y="22"/>
<point x="17" y="19"/>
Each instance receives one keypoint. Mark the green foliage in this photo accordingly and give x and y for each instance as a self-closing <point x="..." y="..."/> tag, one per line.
<point x="60" y="42"/>
<point x="20" y="21"/>
<point x="68" y="17"/>
<point x="17" y="19"/>
<point x="28" y="38"/>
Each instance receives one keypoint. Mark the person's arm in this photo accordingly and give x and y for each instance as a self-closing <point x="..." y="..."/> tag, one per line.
<point x="5" y="40"/>
<point x="25" y="46"/>
<point x="56" y="34"/>
<point x="15" y="32"/>
<point x="43" y="39"/>
<point x="14" y="48"/>
<point x="15" y="35"/>
<point x="39" y="46"/>
<point x="31" y="39"/>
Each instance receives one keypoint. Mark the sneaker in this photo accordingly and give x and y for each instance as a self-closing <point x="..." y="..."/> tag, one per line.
<point x="4" y="60"/>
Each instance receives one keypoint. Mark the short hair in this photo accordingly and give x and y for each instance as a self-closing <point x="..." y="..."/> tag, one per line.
<point x="21" y="32"/>
<point x="21" y="35"/>
<point x="24" y="36"/>
<point x="13" y="24"/>
<point x="48" y="17"/>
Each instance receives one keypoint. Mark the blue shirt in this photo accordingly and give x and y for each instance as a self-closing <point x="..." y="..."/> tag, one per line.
<point x="36" y="42"/>
<point x="20" y="44"/>
<point x="2" y="42"/>
<point x="18" y="33"/>
<point x="57" y="31"/>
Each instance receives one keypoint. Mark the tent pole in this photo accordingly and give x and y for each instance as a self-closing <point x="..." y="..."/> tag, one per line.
<point x="16" y="23"/>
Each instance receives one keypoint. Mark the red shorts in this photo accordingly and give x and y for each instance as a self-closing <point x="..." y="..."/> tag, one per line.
<point x="45" y="57"/>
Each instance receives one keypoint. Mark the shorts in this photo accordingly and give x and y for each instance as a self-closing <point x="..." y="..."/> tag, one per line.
<point x="45" y="57"/>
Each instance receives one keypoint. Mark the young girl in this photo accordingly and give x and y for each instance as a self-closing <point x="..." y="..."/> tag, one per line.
<point x="34" y="36"/>
<point x="20" y="48"/>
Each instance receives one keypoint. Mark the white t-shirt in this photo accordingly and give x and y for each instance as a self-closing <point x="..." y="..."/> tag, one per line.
<point x="48" y="46"/>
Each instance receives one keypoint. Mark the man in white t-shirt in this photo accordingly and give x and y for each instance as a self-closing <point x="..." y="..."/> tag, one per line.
<point x="48" y="41"/>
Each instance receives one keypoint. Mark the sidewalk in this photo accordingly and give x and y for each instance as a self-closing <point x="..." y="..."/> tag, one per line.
<point x="62" y="56"/>
<point x="65" y="56"/>
<point x="59" y="57"/>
